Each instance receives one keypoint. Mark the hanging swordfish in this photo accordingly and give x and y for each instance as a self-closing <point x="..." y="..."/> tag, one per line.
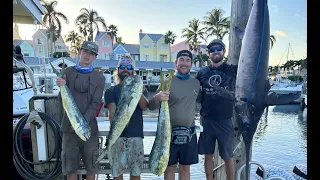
<point x="252" y="85"/>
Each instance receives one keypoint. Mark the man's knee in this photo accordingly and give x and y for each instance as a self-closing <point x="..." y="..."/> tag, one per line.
<point x="184" y="168"/>
<point x="171" y="169"/>
<point x="208" y="157"/>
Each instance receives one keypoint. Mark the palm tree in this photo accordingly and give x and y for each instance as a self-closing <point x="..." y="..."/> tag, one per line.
<point x="89" y="20"/>
<point x="193" y="33"/>
<point x="112" y="31"/>
<point x="83" y="29"/>
<point x="77" y="46"/>
<point x="73" y="38"/>
<point x="119" y="40"/>
<point x="201" y="59"/>
<point x="272" y="41"/>
<point x="54" y="32"/>
<point x="216" y="24"/>
<point x="169" y="39"/>
<point x="51" y="19"/>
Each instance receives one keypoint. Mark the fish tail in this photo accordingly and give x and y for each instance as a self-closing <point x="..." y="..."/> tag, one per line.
<point x="63" y="69"/>
<point x="169" y="80"/>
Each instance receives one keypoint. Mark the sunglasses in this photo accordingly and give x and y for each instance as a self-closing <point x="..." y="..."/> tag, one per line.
<point x="128" y="67"/>
<point x="218" y="48"/>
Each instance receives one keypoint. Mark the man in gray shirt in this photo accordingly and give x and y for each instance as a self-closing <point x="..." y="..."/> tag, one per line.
<point x="182" y="102"/>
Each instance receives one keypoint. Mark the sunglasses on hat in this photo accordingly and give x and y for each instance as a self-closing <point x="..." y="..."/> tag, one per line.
<point x="218" y="48"/>
<point x="128" y="67"/>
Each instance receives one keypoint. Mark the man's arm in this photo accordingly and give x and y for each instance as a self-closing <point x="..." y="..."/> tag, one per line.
<point x="143" y="102"/>
<point x="111" y="110"/>
<point x="95" y="103"/>
<point x="154" y="103"/>
<point x="224" y="92"/>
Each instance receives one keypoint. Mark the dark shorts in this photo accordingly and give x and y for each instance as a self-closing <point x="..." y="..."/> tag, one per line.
<point x="221" y="130"/>
<point x="73" y="148"/>
<point x="185" y="154"/>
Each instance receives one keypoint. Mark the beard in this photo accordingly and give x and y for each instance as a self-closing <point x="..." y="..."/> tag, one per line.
<point x="216" y="58"/>
<point x="123" y="75"/>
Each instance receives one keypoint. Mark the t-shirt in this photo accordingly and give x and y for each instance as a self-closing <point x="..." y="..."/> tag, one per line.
<point x="213" y="106"/>
<point x="182" y="101"/>
<point x="135" y="125"/>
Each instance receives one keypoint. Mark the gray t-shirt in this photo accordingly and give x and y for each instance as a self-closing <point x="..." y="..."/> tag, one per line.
<point x="182" y="101"/>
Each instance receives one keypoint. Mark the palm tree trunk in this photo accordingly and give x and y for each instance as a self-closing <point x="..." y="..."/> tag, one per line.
<point x="240" y="11"/>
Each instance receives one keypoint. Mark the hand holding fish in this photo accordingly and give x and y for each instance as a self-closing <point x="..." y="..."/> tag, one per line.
<point x="60" y="82"/>
<point x="162" y="96"/>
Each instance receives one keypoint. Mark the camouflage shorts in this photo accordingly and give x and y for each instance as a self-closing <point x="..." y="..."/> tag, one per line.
<point x="127" y="153"/>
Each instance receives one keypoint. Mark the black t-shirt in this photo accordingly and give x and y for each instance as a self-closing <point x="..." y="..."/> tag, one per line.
<point x="213" y="106"/>
<point x="135" y="126"/>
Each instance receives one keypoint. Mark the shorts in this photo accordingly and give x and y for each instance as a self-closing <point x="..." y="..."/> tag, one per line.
<point x="185" y="154"/>
<point x="127" y="153"/>
<point x="73" y="148"/>
<point x="221" y="130"/>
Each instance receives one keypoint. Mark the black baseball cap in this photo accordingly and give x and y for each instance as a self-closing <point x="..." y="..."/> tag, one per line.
<point x="216" y="41"/>
<point x="184" y="53"/>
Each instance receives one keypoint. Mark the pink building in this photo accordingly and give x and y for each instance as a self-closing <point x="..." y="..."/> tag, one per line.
<point x="183" y="46"/>
<point x="104" y="42"/>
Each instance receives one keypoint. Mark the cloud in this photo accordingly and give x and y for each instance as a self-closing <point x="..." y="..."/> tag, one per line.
<point x="275" y="8"/>
<point x="299" y="16"/>
<point x="280" y="33"/>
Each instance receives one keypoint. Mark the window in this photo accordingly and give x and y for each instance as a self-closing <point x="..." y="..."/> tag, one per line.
<point x="163" y="58"/>
<point x="106" y="43"/>
<point x="39" y="41"/>
<point x="156" y="73"/>
<point x="146" y="57"/>
<point x="164" y="46"/>
<point x="25" y="53"/>
<point x="119" y="56"/>
<point x="106" y="56"/>
<point x="146" y="45"/>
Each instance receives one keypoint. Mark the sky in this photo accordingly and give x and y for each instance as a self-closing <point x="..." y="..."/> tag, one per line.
<point x="288" y="20"/>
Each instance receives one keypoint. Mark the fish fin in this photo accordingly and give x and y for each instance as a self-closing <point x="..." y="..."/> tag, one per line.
<point x="281" y="99"/>
<point x="239" y="32"/>
<point x="63" y="69"/>
<point x="55" y="70"/>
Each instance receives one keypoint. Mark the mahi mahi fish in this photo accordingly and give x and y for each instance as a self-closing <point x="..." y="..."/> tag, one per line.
<point x="251" y="84"/>
<point x="130" y="95"/>
<point x="76" y="118"/>
<point x="159" y="156"/>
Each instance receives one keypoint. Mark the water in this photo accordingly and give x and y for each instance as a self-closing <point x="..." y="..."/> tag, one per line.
<point x="280" y="140"/>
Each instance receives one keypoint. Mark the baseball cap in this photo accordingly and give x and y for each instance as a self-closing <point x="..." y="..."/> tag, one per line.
<point x="184" y="53"/>
<point x="90" y="46"/>
<point x="216" y="41"/>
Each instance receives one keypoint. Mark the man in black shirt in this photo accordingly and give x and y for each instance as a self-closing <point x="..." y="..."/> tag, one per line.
<point x="128" y="149"/>
<point x="217" y="102"/>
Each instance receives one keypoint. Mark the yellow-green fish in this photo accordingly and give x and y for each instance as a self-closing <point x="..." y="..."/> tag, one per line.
<point x="131" y="92"/>
<point x="159" y="156"/>
<point x="76" y="118"/>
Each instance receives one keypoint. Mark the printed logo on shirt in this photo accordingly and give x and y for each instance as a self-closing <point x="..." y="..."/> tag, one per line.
<point x="215" y="80"/>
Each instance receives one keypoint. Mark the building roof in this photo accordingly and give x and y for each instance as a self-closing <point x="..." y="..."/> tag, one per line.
<point x="154" y="37"/>
<point x="131" y="48"/>
<point x="99" y="35"/>
<point x="17" y="42"/>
